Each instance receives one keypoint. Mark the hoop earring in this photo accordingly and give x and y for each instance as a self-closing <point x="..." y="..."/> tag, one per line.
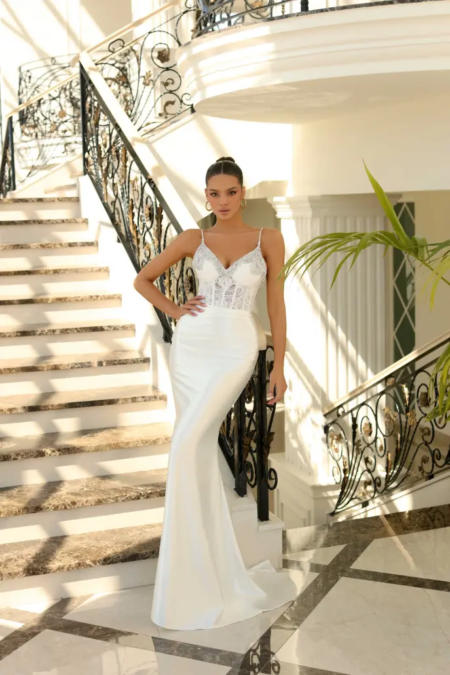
<point x="243" y="205"/>
<point x="206" y="206"/>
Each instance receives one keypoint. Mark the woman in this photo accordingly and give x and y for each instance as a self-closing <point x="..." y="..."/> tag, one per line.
<point x="201" y="579"/>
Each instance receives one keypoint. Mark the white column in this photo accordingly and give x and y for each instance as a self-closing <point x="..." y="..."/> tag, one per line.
<point x="335" y="339"/>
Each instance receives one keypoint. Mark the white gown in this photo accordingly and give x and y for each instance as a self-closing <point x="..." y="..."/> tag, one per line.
<point x="201" y="579"/>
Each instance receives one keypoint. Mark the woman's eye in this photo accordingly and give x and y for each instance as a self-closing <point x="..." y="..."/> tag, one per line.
<point x="232" y="193"/>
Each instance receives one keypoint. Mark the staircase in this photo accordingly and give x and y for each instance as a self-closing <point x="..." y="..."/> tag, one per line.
<point x="84" y="437"/>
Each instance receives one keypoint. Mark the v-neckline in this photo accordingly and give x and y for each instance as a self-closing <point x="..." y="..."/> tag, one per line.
<point x="225" y="269"/>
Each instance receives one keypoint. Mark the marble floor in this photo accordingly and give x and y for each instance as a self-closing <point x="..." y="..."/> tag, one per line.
<point x="373" y="599"/>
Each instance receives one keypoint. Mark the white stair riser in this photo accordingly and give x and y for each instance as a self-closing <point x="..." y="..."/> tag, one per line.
<point x="39" y="284"/>
<point x="75" y="379"/>
<point x="77" y="583"/>
<point x="82" y="520"/>
<point x="81" y="343"/>
<point x="25" y="259"/>
<point x="61" y="312"/>
<point x="74" y="419"/>
<point x="83" y="465"/>
<point x="44" y="232"/>
<point x="39" y="211"/>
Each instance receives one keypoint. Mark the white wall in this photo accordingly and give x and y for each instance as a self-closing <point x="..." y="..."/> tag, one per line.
<point x="184" y="152"/>
<point x="406" y="147"/>
<point x="37" y="29"/>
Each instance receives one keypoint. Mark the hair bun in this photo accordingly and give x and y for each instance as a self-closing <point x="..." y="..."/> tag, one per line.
<point x="225" y="159"/>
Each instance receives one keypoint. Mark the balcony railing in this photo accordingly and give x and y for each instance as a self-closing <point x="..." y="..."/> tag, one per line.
<point x="224" y="14"/>
<point x="380" y="438"/>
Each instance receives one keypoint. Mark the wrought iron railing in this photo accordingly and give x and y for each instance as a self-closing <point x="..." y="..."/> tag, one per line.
<point x="381" y="437"/>
<point x="36" y="77"/>
<point x="223" y="14"/>
<point x="145" y="225"/>
<point x="215" y="16"/>
<point x="143" y="72"/>
<point x="42" y="133"/>
<point x="246" y="437"/>
<point x="7" y="165"/>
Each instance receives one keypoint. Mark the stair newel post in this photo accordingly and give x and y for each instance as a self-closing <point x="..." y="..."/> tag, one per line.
<point x="83" y="119"/>
<point x="240" y="478"/>
<point x="261" y="439"/>
<point x="11" y="153"/>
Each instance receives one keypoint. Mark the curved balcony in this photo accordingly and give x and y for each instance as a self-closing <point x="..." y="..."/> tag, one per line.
<point x="317" y="64"/>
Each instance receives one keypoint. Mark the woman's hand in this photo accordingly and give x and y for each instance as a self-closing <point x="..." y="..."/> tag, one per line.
<point x="277" y="386"/>
<point x="192" y="306"/>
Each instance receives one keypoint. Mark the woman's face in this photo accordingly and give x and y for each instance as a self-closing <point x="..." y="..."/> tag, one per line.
<point x="224" y="195"/>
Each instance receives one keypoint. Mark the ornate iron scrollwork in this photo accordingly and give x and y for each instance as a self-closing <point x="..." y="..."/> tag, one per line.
<point x="387" y="441"/>
<point x="143" y="74"/>
<point x="142" y="219"/>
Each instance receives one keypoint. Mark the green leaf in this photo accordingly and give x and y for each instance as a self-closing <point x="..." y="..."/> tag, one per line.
<point x="388" y="209"/>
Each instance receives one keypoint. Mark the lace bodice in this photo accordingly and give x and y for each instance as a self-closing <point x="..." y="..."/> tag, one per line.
<point x="234" y="287"/>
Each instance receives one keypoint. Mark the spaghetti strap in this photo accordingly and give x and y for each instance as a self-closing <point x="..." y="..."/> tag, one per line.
<point x="259" y="240"/>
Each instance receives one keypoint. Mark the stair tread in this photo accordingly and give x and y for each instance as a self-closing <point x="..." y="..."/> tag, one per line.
<point x="38" y="200"/>
<point x="45" y="221"/>
<point x="48" y="298"/>
<point x="105" y="325"/>
<point x="53" y="270"/>
<point x="22" y="403"/>
<point x="79" y="551"/>
<point x="57" y="444"/>
<point x="48" y="245"/>
<point x="68" y="361"/>
<point x="82" y="492"/>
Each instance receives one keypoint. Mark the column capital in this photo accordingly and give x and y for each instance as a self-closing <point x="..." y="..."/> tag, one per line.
<point x="329" y="205"/>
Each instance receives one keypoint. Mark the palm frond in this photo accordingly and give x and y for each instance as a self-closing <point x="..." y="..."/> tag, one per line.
<point x="439" y="386"/>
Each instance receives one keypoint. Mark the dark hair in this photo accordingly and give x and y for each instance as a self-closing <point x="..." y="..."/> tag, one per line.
<point x="225" y="165"/>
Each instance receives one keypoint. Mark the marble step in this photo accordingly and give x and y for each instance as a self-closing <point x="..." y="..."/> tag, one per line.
<point x="60" y="254"/>
<point x="22" y="500"/>
<point x="59" y="280"/>
<point x="70" y="328"/>
<point x="101" y="335"/>
<point x="47" y="299"/>
<point x="43" y="230"/>
<point x="42" y="209"/>
<point x="55" y="271"/>
<point x="30" y="414"/>
<point x="71" y="362"/>
<point x="54" y="245"/>
<point x="80" y="551"/>
<point x="59" y="308"/>
<point x="95" y="504"/>
<point x="44" y="221"/>
<point x="51" y="401"/>
<point x="73" y="372"/>
<point x="54" y="456"/>
<point x="5" y="201"/>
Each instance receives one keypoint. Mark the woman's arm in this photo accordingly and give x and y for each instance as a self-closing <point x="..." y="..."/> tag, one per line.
<point x="182" y="246"/>
<point x="274" y="255"/>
